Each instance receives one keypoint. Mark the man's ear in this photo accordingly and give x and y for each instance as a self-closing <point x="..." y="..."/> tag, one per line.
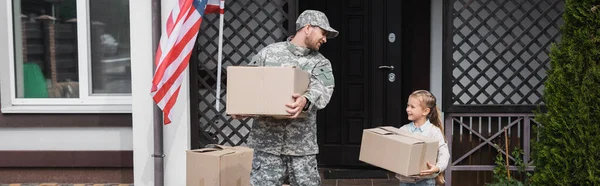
<point x="306" y="27"/>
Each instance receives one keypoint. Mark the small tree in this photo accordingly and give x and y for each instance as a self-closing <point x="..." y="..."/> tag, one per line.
<point x="568" y="150"/>
<point x="500" y="171"/>
<point x="502" y="176"/>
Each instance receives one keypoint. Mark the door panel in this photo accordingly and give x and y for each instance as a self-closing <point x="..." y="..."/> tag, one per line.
<point x="394" y="104"/>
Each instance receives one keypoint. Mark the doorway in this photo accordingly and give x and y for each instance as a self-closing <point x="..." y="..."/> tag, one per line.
<point x="379" y="58"/>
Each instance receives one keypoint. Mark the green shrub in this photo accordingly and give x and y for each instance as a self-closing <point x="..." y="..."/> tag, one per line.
<point x="568" y="150"/>
<point x="500" y="172"/>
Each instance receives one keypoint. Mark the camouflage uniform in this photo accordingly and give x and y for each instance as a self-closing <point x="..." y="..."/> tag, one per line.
<point x="289" y="146"/>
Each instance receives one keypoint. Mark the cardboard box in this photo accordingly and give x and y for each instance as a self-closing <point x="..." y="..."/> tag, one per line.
<point x="223" y="166"/>
<point x="397" y="150"/>
<point x="263" y="90"/>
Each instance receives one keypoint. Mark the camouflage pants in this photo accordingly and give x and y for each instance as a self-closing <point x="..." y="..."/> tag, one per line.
<point x="270" y="170"/>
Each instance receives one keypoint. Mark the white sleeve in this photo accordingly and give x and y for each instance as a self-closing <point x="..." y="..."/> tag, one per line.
<point x="443" y="153"/>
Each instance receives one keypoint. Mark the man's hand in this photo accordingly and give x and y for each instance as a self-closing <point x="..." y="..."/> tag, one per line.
<point x="297" y="106"/>
<point x="432" y="169"/>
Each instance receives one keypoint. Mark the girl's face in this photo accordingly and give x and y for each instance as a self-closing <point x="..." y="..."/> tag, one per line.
<point x="415" y="109"/>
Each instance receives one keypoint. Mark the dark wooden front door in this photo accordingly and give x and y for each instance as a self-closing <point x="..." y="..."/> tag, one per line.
<point x="373" y="62"/>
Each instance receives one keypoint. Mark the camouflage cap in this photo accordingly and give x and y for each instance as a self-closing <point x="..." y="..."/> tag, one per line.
<point x="315" y="18"/>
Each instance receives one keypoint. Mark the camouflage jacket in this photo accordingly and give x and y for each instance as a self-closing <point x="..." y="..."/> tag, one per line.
<point x="297" y="137"/>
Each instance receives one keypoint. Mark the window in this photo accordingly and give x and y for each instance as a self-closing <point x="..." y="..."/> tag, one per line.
<point x="67" y="56"/>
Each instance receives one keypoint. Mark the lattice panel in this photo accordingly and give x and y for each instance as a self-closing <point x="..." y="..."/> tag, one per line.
<point x="250" y="25"/>
<point x="500" y="50"/>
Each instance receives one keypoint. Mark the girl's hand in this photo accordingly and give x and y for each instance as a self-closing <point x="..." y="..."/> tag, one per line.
<point x="432" y="169"/>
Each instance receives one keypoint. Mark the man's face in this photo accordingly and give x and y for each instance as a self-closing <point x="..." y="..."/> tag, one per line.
<point x="315" y="37"/>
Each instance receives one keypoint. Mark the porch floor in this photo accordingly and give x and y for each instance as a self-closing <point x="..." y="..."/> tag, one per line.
<point x="390" y="181"/>
<point x="361" y="182"/>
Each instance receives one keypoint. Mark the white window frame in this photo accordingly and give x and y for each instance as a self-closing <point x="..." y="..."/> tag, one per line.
<point x="86" y="103"/>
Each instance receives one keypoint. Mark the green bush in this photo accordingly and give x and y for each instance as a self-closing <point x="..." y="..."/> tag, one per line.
<point x="500" y="172"/>
<point x="568" y="150"/>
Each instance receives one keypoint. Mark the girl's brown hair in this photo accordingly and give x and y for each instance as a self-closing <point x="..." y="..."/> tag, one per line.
<point x="428" y="100"/>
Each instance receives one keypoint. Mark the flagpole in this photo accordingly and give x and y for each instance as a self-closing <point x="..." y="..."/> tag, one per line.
<point x="221" y="20"/>
<point x="158" y="120"/>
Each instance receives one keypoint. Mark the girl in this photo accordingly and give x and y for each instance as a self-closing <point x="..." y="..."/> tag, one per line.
<point x="426" y="121"/>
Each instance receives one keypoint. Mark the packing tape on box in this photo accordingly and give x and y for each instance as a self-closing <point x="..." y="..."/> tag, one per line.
<point x="215" y="147"/>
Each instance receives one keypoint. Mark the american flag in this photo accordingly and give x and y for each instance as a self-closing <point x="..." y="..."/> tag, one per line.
<point x="175" y="47"/>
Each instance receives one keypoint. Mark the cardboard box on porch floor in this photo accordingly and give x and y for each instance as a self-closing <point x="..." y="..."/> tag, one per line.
<point x="228" y="166"/>
<point x="263" y="90"/>
<point x="397" y="150"/>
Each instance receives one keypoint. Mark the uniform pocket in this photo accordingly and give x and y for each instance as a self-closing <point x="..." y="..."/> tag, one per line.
<point x="325" y="75"/>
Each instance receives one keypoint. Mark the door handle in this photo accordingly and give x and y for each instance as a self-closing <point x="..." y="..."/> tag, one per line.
<point x="387" y="67"/>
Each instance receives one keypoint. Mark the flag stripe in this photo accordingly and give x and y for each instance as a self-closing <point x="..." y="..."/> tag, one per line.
<point x="169" y="25"/>
<point x="212" y="9"/>
<point x="170" y="40"/>
<point x="170" y="105"/>
<point x="186" y="5"/>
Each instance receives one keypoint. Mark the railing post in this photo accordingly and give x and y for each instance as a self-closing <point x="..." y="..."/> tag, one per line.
<point x="527" y="139"/>
<point x="448" y="134"/>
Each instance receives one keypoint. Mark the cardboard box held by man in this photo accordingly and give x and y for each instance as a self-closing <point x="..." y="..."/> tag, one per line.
<point x="263" y="90"/>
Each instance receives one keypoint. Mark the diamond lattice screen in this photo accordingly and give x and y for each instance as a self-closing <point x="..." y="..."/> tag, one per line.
<point x="500" y="50"/>
<point x="249" y="26"/>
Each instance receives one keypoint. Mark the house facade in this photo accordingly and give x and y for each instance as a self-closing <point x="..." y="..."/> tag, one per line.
<point x="485" y="61"/>
<point x="65" y="92"/>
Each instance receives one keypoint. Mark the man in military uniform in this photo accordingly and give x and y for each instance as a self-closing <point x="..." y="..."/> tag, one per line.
<point x="289" y="146"/>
